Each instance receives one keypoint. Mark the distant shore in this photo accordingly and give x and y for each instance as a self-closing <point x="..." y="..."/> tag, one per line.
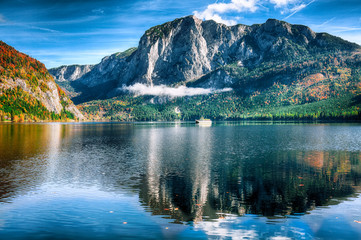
<point x="215" y="122"/>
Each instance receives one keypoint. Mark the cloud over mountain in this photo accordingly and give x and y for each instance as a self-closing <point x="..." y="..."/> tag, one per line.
<point x="213" y="10"/>
<point x="163" y="90"/>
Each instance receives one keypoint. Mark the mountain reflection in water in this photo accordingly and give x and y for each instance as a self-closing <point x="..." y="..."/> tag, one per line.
<point x="185" y="174"/>
<point x="201" y="184"/>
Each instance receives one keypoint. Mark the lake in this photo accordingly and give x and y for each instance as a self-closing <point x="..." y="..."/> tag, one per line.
<point x="180" y="181"/>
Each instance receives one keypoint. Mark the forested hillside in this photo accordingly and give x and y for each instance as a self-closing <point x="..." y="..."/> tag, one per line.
<point x="28" y="92"/>
<point x="329" y="88"/>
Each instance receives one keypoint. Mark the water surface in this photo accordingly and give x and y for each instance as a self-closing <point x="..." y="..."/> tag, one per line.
<point x="180" y="181"/>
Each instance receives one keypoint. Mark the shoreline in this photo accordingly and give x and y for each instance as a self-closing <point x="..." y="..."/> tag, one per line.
<point x="215" y="122"/>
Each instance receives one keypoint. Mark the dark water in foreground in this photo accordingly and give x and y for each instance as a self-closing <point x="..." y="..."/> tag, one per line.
<point x="180" y="181"/>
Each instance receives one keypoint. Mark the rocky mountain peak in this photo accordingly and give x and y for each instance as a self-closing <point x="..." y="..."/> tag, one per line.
<point x="275" y="26"/>
<point x="187" y="48"/>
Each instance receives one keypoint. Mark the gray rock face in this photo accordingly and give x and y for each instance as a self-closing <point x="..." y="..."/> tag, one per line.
<point x="92" y="75"/>
<point x="107" y="70"/>
<point x="70" y="73"/>
<point x="216" y="79"/>
<point x="189" y="50"/>
<point x="183" y="50"/>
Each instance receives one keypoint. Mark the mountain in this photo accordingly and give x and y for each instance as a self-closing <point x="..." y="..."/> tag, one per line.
<point x="84" y="85"/>
<point x="70" y="73"/>
<point x="192" y="52"/>
<point x="28" y="91"/>
<point x="269" y="67"/>
<point x="66" y="74"/>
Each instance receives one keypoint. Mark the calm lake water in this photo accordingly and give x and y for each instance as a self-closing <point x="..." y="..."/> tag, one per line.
<point x="180" y="181"/>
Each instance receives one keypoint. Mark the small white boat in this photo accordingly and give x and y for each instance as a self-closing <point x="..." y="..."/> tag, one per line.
<point x="204" y="121"/>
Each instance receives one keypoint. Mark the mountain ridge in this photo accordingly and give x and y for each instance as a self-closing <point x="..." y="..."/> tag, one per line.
<point x="276" y="70"/>
<point x="187" y="49"/>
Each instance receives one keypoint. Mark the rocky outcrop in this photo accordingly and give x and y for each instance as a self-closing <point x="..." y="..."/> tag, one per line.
<point x="91" y="75"/>
<point x="70" y="73"/>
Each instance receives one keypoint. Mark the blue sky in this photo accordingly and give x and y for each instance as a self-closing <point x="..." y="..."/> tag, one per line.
<point x="82" y="32"/>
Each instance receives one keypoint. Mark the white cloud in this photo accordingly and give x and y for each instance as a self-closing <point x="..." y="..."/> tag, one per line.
<point x="345" y="29"/>
<point x="327" y="22"/>
<point x="163" y="90"/>
<point x="219" y="19"/>
<point x="213" y="10"/>
<point x="282" y="3"/>
<point x="42" y="29"/>
<point x="3" y="22"/>
<point x="298" y="8"/>
<point x="98" y="11"/>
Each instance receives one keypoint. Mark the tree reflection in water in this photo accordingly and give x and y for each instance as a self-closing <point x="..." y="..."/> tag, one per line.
<point x="280" y="184"/>
<point x="205" y="177"/>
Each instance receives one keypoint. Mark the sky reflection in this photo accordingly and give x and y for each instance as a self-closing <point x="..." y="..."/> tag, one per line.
<point x="165" y="182"/>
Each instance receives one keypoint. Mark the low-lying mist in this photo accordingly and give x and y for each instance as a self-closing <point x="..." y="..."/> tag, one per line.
<point x="163" y="90"/>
